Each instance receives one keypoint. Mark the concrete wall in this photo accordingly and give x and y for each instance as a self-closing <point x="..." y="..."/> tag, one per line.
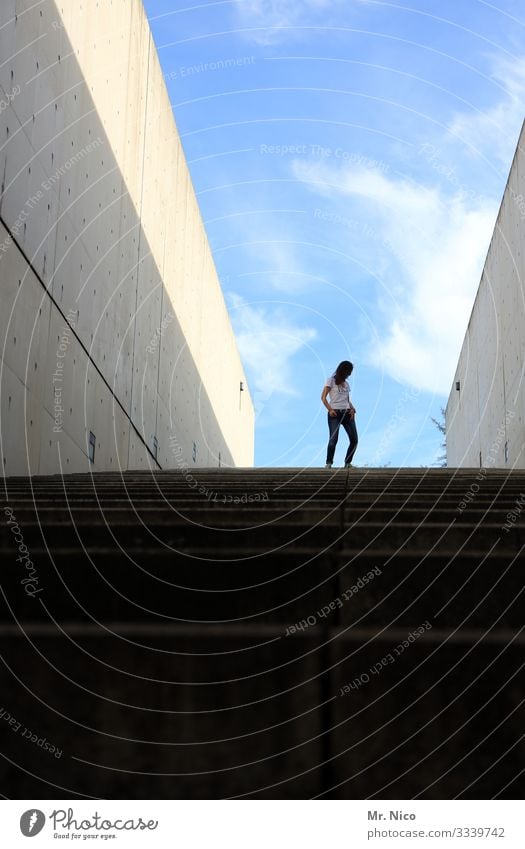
<point x="486" y="416"/>
<point x="112" y="318"/>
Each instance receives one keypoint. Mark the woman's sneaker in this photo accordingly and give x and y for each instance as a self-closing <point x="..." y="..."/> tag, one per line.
<point x="328" y="466"/>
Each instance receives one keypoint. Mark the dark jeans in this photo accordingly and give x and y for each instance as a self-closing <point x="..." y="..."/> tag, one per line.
<point x="342" y="417"/>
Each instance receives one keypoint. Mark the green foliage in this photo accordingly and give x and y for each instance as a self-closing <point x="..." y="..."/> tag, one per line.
<point x="441" y="426"/>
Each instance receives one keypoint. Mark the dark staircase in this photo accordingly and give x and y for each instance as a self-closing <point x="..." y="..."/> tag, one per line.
<point x="263" y="633"/>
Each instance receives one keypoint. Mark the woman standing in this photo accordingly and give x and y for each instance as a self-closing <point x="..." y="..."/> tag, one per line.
<point x="340" y="412"/>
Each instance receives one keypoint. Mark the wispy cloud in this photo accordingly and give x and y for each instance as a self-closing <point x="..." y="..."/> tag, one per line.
<point x="439" y="243"/>
<point x="270" y="15"/>
<point x="274" y="259"/>
<point x="268" y="340"/>
<point x="268" y="250"/>
<point x="494" y="130"/>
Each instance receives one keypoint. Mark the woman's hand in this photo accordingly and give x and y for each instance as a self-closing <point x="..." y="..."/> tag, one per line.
<point x="332" y="413"/>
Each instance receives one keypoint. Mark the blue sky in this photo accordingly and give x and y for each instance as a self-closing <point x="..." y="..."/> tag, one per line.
<point x="349" y="158"/>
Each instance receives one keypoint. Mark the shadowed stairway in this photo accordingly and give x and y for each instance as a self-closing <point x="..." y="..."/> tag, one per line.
<point x="269" y="633"/>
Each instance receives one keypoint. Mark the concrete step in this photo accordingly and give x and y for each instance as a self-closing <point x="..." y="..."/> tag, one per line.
<point x="282" y="587"/>
<point x="186" y="536"/>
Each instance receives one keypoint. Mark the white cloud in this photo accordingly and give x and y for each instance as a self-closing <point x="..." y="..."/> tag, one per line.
<point x="272" y="14"/>
<point x="268" y="340"/>
<point x="439" y="244"/>
<point x="494" y="131"/>
<point x="266" y="248"/>
<point x="274" y="258"/>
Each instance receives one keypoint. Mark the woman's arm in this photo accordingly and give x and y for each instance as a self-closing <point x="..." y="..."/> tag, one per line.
<point x="324" y="399"/>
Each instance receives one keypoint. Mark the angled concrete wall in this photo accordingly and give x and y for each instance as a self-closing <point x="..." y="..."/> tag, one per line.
<point x="112" y="318"/>
<point x="486" y="415"/>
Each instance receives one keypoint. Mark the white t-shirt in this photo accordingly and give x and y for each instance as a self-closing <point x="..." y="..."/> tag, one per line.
<point x="339" y="395"/>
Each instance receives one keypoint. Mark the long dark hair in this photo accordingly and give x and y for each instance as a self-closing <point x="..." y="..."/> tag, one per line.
<point x="343" y="371"/>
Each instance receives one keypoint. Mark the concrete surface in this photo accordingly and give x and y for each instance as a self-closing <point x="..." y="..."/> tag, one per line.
<point x="113" y="320"/>
<point x="485" y="418"/>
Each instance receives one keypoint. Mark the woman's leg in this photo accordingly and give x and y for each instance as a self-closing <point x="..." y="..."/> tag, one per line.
<point x="351" y="429"/>
<point x="333" y="427"/>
